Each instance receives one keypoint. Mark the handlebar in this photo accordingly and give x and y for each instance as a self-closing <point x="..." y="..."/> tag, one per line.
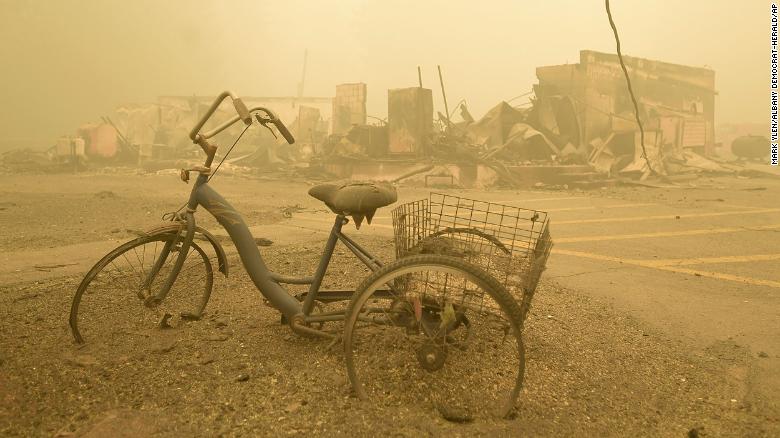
<point x="243" y="113"/>
<point x="237" y="103"/>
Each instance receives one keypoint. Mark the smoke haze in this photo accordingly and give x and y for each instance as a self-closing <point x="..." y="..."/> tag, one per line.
<point x="69" y="62"/>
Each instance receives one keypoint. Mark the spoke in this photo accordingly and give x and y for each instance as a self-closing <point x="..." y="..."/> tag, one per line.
<point x="187" y="268"/>
<point x="191" y="280"/>
<point x="143" y="271"/>
<point x="124" y="255"/>
<point x="117" y="270"/>
<point x="143" y="258"/>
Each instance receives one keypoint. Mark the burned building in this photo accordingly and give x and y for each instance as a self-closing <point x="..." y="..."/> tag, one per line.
<point x="588" y="105"/>
<point x="349" y="107"/>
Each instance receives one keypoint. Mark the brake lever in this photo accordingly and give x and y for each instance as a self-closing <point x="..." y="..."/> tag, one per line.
<point x="264" y="122"/>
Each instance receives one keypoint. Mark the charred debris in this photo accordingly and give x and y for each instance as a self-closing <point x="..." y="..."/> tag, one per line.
<point x="575" y="128"/>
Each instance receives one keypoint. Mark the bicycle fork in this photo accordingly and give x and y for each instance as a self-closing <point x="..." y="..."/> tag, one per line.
<point x="155" y="299"/>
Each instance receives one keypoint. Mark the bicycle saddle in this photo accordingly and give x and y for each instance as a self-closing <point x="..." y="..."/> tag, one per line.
<point x="357" y="199"/>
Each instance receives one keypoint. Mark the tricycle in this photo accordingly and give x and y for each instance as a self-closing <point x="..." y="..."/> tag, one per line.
<point x="440" y="325"/>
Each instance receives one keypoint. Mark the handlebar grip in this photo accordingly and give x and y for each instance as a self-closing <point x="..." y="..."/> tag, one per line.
<point x="283" y="130"/>
<point x="243" y="111"/>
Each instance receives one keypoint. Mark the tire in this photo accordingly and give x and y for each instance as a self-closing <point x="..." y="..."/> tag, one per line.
<point x="408" y="339"/>
<point x="109" y="308"/>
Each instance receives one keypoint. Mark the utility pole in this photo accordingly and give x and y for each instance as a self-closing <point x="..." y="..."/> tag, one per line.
<point x="444" y="95"/>
<point x="300" y="91"/>
<point x="303" y="74"/>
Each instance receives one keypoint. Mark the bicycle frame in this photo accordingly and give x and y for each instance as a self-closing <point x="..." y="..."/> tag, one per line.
<point x="267" y="282"/>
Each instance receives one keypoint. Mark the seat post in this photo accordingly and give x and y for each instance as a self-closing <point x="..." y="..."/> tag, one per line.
<point x="327" y="253"/>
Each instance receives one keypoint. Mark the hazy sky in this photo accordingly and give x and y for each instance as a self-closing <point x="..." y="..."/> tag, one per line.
<point x="70" y="61"/>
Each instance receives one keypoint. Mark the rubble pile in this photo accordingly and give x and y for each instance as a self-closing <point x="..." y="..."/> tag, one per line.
<point x="578" y="127"/>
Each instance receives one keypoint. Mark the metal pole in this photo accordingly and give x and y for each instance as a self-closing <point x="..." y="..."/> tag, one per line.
<point x="444" y="95"/>
<point x="73" y="156"/>
<point x="424" y="146"/>
<point x="300" y="92"/>
<point x="303" y="75"/>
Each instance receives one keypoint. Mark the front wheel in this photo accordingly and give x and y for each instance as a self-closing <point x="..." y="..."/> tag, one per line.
<point x="435" y="330"/>
<point x="110" y="304"/>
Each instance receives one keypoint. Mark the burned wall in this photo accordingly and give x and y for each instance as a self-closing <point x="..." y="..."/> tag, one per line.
<point x="409" y="119"/>
<point x="349" y="107"/>
<point x="674" y="99"/>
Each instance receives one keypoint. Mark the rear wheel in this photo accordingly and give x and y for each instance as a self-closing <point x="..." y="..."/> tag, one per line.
<point x="109" y="305"/>
<point x="435" y="330"/>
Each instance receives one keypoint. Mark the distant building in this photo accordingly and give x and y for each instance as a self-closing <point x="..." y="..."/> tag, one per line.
<point x="589" y="101"/>
<point x="349" y="107"/>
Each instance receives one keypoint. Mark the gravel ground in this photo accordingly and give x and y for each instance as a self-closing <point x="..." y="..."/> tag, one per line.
<point x="590" y="369"/>
<point x="237" y="372"/>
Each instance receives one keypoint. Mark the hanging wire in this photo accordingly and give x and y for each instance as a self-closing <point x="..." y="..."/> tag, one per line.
<point x="630" y="89"/>
<point x="228" y="152"/>
<point x="172" y="215"/>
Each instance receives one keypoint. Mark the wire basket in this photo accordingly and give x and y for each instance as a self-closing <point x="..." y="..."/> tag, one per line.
<point x="510" y="243"/>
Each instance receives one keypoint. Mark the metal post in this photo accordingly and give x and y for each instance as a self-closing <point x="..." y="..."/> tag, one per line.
<point x="444" y="95"/>
<point x="73" y="157"/>
<point x="423" y="150"/>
